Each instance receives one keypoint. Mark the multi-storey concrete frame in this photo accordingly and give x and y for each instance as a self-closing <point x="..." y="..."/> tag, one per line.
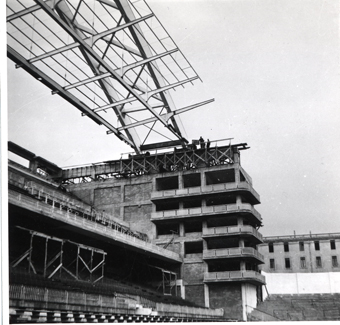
<point x="112" y="55"/>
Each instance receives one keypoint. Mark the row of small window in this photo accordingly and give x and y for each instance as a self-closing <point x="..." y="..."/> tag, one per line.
<point x="303" y="265"/>
<point x="301" y="246"/>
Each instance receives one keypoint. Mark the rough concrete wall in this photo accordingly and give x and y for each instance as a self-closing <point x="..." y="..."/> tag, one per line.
<point x="138" y="217"/>
<point x="85" y="195"/>
<point x="137" y="192"/>
<point x="193" y="272"/>
<point x="227" y="296"/>
<point x="107" y="199"/>
<point x="16" y="178"/>
<point x="174" y="247"/>
<point x="195" y="293"/>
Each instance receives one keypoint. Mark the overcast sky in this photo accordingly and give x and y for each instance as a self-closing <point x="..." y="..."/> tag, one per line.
<point x="272" y="67"/>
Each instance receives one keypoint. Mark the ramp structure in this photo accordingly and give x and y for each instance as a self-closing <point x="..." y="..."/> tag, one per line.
<point x="111" y="59"/>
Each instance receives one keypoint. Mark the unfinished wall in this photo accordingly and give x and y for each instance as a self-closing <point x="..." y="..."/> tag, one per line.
<point x="195" y="293"/>
<point x="227" y="296"/>
<point x="108" y="200"/>
<point x="138" y="216"/>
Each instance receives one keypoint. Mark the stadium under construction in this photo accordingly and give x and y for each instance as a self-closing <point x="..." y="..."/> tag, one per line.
<point x="168" y="233"/>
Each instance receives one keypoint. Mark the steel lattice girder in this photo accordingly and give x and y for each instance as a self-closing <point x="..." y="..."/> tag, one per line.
<point x="104" y="56"/>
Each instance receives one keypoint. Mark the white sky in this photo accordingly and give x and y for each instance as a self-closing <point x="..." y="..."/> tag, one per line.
<point x="272" y="67"/>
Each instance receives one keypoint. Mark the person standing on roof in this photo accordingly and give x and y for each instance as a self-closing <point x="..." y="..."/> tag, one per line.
<point x="202" y="144"/>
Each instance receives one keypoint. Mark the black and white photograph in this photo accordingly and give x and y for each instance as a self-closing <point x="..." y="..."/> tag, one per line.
<point x="170" y="161"/>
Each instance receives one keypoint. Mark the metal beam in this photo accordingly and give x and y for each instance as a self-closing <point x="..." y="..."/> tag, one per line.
<point x="166" y="116"/>
<point x="151" y="93"/>
<point x="23" y="13"/>
<point x="139" y="63"/>
<point x="90" y="40"/>
<point x="86" y="81"/>
<point x="144" y="48"/>
<point x="109" y="3"/>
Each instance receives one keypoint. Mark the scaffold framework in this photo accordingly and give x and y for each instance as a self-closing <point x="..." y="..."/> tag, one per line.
<point x="111" y="59"/>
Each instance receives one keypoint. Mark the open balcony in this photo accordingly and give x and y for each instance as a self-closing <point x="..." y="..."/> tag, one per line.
<point x="245" y="231"/>
<point x="244" y="208"/>
<point x="230" y="276"/>
<point x="235" y="252"/>
<point x="242" y="188"/>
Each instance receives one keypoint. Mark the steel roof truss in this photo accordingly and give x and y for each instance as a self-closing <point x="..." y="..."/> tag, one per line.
<point x="96" y="57"/>
<point x="166" y="116"/>
<point x="150" y="94"/>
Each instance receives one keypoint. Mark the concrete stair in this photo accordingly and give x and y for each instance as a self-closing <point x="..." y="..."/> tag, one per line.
<point x="304" y="307"/>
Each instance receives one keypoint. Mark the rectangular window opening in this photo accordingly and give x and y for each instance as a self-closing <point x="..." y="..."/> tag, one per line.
<point x="303" y="263"/>
<point x="271" y="247"/>
<point x="335" y="261"/>
<point x="301" y="246"/>
<point x="317" y="245"/>
<point x="287" y="263"/>
<point x="318" y="262"/>
<point x="272" y="264"/>
<point x="333" y="244"/>
<point x="286" y="247"/>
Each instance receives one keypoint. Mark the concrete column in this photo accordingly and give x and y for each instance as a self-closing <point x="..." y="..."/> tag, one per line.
<point x="154" y="188"/>
<point x="181" y="229"/>
<point x="182" y="253"/>
<point x="238" y="200"/>
<point x="241" y="242"/>
<point x="236" y="156"/>
<point x="206" y="296"/>
<point x="180" y="181"/>
<point x="205" y="245"/>
<point x="242" y="265"/>
<point x="244" y="301"/>
<point x="237" y="175"/>
<point x="203" y="179"/>
<point x="239" y="221"/>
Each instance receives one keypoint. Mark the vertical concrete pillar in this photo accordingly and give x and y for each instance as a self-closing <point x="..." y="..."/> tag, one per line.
<point x="181" y="229"/>
<point x="244" y="301"/>
<point x="182" y="290"/>
<point x="239" y="221"/>
<point x="238" y="200"/>
<point x="237" y="175"/>
<point x="154" y="187"/>
<point x="203" y="179"/>
<point x="206" y="296"/>
<point x="180" y="181"/>
<point x="236" y="156"/>
<point x="205" y="245"/>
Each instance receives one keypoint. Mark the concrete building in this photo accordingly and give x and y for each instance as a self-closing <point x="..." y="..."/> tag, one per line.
<point x="184" y="221"/>
<point x="308" y="253"/>
<point x="301" y="264"/>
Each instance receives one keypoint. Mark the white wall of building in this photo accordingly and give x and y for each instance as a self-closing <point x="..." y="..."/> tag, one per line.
<point x="301" y="283"/>
<point x="249" y="299"/>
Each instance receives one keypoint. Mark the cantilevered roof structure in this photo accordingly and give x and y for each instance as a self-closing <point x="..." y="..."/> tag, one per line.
<point x="111" y="59"/>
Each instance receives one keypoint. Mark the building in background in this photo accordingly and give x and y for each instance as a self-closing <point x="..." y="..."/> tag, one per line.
<point x="300" y="264"/>
<point x="309" y="253"/>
